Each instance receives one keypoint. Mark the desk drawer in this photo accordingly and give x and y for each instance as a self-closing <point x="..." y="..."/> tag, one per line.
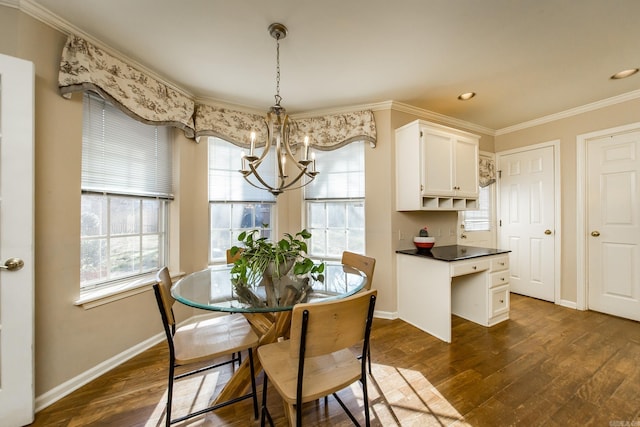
<point x="500" y="278"/>
<point x="500" y="263"/>
<point x="460" y="268"/>
<point x="498" y="301"/>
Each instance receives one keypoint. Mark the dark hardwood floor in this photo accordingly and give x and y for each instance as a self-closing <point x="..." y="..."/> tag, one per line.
<point x="547" y="366"/>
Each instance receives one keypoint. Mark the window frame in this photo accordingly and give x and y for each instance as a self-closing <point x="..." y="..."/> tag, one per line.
<point x="330" y="199"/>
<point x="110" y="288"/>
<point x="108" y="235"/>
<point x="228" y="200"/>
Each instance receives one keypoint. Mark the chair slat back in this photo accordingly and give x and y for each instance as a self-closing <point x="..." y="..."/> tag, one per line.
<point x="164" y="281"/>
<point x="363" y="263"/>
<point x="233" y="258"/>
<point x="332" y="326"/>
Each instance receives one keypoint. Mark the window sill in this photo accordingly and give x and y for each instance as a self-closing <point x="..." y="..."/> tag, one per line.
<point x="96" y="297"/>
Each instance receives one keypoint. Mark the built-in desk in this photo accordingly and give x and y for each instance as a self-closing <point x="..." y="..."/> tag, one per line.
<point x="467" y="281"/>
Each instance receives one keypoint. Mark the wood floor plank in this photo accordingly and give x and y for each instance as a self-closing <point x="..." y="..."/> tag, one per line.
<point x="547" y="366"/>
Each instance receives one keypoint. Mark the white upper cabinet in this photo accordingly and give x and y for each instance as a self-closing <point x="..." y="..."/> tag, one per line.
<point x="436" y="168"/>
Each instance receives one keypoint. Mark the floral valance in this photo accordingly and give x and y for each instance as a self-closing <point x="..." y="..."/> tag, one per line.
<point x="325" y="132"/>
<point x="487" y="171"/>
<point x="86" y="67"/>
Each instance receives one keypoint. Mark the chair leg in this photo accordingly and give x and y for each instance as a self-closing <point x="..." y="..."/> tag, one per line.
<point x="265" y="411"/>
<point x="253" y="385"/>
<point x="170" y="394"/>
<point x="369" y="360"/>
<point x="365" y="399"/>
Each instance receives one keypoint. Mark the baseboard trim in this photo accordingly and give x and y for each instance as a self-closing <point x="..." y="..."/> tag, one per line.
<point x="389" y="315"/>
<point x="68" y="387"/>
<point x="568" y="304"/>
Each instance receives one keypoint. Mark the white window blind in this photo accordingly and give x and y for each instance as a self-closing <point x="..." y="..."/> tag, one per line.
<point x="124" y="156"/>
<point x="341" y="174"/>
<point x="226" y="183"/>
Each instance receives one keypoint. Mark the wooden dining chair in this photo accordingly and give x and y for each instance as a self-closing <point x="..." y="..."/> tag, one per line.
<point x="317" y="359"/>
<point x="202" y="341"/>
<point x="233" y="258"/>
<point x="363" y="263"/>
<point x="367" y="265"/>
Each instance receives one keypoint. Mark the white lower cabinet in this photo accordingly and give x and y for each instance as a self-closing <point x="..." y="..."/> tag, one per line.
<point x="430" y="291"/>
<point x="483" y="299"/>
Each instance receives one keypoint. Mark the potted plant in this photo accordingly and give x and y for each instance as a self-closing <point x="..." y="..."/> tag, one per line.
<point x="282" y="267"/>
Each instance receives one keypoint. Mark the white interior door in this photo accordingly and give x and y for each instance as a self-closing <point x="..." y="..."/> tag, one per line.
<point x="613" y="240"/>
<point x="16" y="241"/>
<point x="526" y="220"/>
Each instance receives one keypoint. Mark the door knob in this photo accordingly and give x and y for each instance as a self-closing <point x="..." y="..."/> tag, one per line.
<point x="547" y="232"/>
<point x="12" y="264"/>
<point x="595" y="233"/>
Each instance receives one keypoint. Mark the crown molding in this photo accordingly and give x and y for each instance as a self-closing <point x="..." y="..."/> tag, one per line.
<point x="343" y="110"/>
<point x="572" y="112"/>
<point x="441" y="118"/>
<point x="10" y="3"/>
<point x="47" y="17"/>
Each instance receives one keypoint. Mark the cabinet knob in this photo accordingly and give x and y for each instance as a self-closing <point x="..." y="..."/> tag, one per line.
<point x="502" y="278"/>
<point x="595" y="233"/>
<point x="501" y="301"/>
<point x="474" y="267"/>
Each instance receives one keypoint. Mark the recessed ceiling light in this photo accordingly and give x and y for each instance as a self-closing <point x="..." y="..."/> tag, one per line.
<point x="624" y="73"/>
<point x="466" y="96"/>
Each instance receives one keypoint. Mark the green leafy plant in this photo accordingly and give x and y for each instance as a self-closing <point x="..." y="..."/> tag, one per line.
<point x="260" y="254"/>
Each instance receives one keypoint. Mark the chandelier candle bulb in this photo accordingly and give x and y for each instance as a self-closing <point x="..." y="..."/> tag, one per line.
<point x="306" y="148"/>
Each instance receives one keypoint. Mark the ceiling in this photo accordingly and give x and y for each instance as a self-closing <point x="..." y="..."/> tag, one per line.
<point x="524" y="59"/>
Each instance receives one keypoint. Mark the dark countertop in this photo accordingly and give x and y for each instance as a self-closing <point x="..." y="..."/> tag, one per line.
<point x="453" y="252"/>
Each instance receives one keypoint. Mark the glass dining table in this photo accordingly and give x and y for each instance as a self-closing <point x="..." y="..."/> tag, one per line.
<point x="211" y="289"/>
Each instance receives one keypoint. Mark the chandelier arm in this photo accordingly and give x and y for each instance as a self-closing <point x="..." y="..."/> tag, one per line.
<point x="287" y="146"/>
<point x="293" y="181"/>
<point x="259" y="178"/>
<point x="279" y="160"/>
<point x="270" y="189"/>
<point x="300" y="186"/>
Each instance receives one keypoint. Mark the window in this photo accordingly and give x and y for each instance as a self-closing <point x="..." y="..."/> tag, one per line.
<point x="480" y="219"/>
<point x="335" y="203"/>
<point x="234" y="205"/>
<point x="126" y="186"/>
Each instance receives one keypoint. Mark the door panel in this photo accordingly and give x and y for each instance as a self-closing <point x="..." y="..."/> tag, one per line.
<point x="527" y="220"/>
<point x="16" y="241"/>
<point x="613" y="224"/>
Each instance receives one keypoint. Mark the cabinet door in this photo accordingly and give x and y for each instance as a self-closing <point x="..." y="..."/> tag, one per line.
<point x="437" y="167"/>
<point x="466" y="168"/>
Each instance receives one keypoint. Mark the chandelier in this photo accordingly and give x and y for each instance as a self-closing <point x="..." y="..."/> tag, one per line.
<point x="278" y="132"/>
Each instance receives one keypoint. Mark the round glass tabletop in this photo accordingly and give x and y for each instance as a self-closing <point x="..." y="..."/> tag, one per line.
<point x="211" y="289"/>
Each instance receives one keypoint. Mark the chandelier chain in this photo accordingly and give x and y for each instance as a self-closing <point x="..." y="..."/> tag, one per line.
<point x="278" y="98"/>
